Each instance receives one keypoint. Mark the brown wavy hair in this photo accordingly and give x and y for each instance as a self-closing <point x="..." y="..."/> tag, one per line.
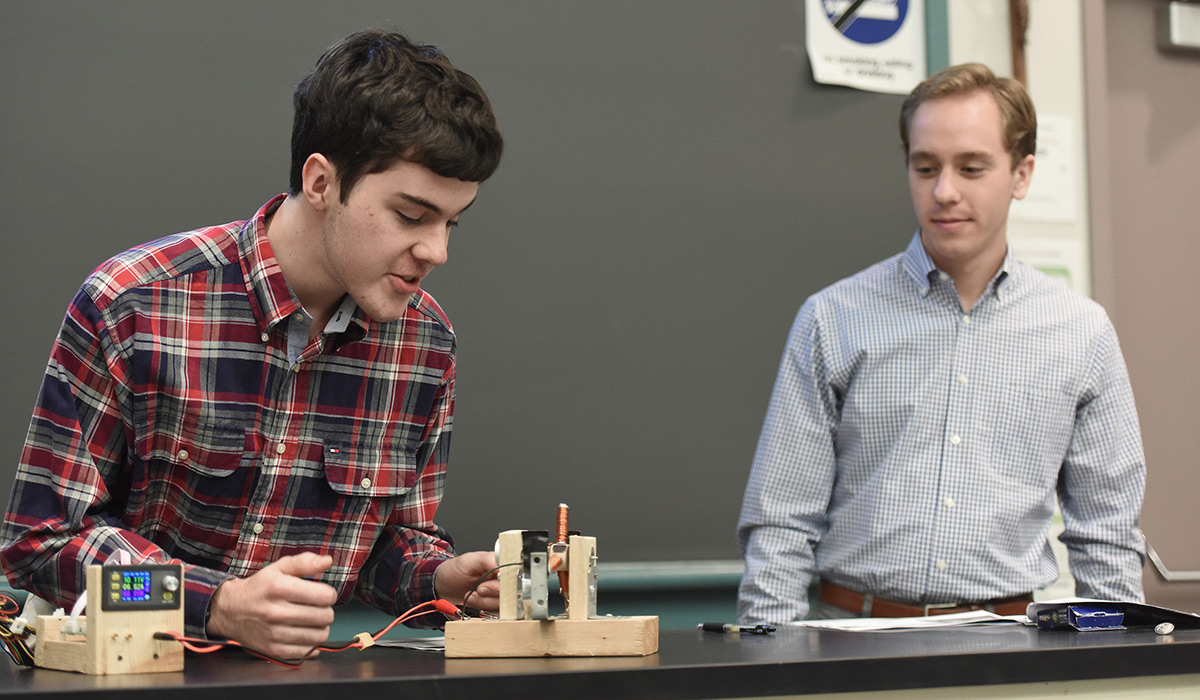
<point x="1017" y="116"/>
<point x="375" y="97"/>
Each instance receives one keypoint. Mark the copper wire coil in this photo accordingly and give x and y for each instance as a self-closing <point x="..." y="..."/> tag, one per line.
<point x="562" y="522"/>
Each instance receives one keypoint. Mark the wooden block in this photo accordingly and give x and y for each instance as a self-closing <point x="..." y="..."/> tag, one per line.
<point x="116" y="642"/>
<point x="509" y="559"/>
<point x="62" y="652"/>
<point x="603" y="636"/>
<point x="126" y="643"/>
<point x="581" y="557"/>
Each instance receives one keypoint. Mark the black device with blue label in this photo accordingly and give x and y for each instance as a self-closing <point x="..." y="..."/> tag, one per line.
<point x="1082" y="617"/>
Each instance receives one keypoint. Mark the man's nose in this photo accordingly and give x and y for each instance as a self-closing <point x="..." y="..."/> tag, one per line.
<point x="434" y="248"/>
<point x="946" y="190"/>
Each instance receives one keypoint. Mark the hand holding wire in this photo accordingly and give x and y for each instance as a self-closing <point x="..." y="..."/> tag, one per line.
<point x="471" y="573"/>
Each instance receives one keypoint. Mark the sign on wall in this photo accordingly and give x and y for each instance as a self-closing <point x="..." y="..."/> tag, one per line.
<point x="875" y="45"/>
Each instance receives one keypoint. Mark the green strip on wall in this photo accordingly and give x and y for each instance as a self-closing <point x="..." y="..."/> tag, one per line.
<point x="937" y="35"/>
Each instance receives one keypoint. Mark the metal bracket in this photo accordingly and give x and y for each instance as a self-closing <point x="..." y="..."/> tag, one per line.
<point x="1167" y="574"/>
<point x="535" y="568"/>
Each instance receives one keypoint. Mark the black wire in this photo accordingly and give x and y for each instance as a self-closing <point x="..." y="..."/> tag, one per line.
<point x="483" y="578"/>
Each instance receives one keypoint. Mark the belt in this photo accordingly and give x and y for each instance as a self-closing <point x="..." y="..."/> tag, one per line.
<point x="870" y="606"/>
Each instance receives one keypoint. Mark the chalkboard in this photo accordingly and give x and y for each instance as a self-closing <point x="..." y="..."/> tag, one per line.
<point x="674" y="186"/>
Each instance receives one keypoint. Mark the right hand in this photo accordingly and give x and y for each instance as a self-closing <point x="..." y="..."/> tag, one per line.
<point x="276" y="611"/>
<point x="456" y="578"/>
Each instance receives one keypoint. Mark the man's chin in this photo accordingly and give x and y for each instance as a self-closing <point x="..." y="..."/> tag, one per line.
<point x="391" y="311"/>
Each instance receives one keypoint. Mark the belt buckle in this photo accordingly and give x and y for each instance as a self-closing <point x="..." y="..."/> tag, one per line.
<point x="938" y="606"/>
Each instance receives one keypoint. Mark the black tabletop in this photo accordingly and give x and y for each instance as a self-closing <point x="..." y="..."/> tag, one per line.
<point x="690" y="664"/>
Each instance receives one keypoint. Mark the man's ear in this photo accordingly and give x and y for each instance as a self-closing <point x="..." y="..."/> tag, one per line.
<point x="318" y="181"/>
<point x="1022" y="176"/>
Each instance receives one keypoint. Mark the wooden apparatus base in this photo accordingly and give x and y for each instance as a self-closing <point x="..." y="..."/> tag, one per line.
<point x="116" y="642"/>
<point x="602" y="636"/>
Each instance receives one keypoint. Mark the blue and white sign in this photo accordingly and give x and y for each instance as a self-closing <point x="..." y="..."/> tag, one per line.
<point x="866" y="22"/>
<point x="876" y="45"/>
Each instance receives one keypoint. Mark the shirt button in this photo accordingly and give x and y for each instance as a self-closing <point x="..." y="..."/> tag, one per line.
<point x="942" y="565"/>
<point x="962" y="379"/>
<point x="182" y="455"/>
<point x="943" y="276"/>
<point x="258" y="528"/>
<point x="266" y="337"/>
<point x="281" y="448"/>
<point x="366" y="483"/>
<point x="949" y="502"/>
<point x="296" y="367"/>
<point x="954" y="439"/>
<point x="298" y="316"/>
<point x="966" y="319"/>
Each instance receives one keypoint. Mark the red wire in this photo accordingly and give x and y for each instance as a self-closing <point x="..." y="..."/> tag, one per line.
<point x="408" y="615"/>
<point x="206" y="646"/>
<point x="193" y="644"/>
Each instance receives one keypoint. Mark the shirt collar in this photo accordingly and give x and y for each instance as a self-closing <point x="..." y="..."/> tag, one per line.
<point x="920" y="267"/>
<point x="918" y="264"/>
<point x="272" y="297"/>
<point x="1003" y="276"/>
<point x="341" y="318"/>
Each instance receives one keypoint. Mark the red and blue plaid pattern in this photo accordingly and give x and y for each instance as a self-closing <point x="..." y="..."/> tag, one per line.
<point x="171" y="424"/>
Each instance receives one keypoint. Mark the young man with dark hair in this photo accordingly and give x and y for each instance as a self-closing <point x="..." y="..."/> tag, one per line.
<point x="929" y="409"/>
<point x="270" y="401"/>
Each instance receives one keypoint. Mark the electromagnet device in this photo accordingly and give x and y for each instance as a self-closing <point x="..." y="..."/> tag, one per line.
<point x="530" y="560"/>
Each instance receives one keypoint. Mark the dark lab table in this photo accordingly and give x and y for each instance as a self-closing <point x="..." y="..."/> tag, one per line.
<point x="690" y="664"/>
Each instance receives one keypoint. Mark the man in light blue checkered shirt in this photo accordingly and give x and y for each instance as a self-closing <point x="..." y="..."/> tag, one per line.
<point x="929" y="409"/>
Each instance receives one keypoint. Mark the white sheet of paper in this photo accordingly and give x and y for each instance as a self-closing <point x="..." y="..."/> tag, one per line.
<point x="880" y="624"/>
<point x="437" y="644"/>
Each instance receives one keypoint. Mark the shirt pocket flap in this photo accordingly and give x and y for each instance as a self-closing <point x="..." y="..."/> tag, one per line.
<point x="211" y="452"/>
<point x="369" y="470"/>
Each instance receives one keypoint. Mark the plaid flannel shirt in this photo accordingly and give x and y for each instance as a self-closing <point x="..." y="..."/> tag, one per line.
<point x="172" y="425"/>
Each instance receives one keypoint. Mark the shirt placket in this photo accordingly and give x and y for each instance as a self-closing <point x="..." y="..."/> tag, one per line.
<point x="959" y="443"/>
<point x="279" y="447"/>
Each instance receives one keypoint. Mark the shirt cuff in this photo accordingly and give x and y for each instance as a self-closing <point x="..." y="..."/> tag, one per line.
<point x="201" y="584"/>
<point x="422" y="590"/>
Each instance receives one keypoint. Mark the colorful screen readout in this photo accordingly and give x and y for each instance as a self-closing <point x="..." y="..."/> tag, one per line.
<point x="135" y="586"/>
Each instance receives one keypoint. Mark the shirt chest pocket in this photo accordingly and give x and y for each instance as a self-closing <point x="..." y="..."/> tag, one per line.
<point x="198" y="478"/>
<point x="371" y="471"/>
<point x="195" y="435"/>
<point x="212" y="451"/>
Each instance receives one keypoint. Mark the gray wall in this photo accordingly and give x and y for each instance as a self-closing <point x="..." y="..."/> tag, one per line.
<point x="674" y="186"/>
<point x="1145" y="153"/>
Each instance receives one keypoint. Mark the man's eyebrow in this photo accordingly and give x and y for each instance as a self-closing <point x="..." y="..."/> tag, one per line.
<point x="975" y="155"/>
<point x="422" y="202"/>
<point x="966" y="155"/>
